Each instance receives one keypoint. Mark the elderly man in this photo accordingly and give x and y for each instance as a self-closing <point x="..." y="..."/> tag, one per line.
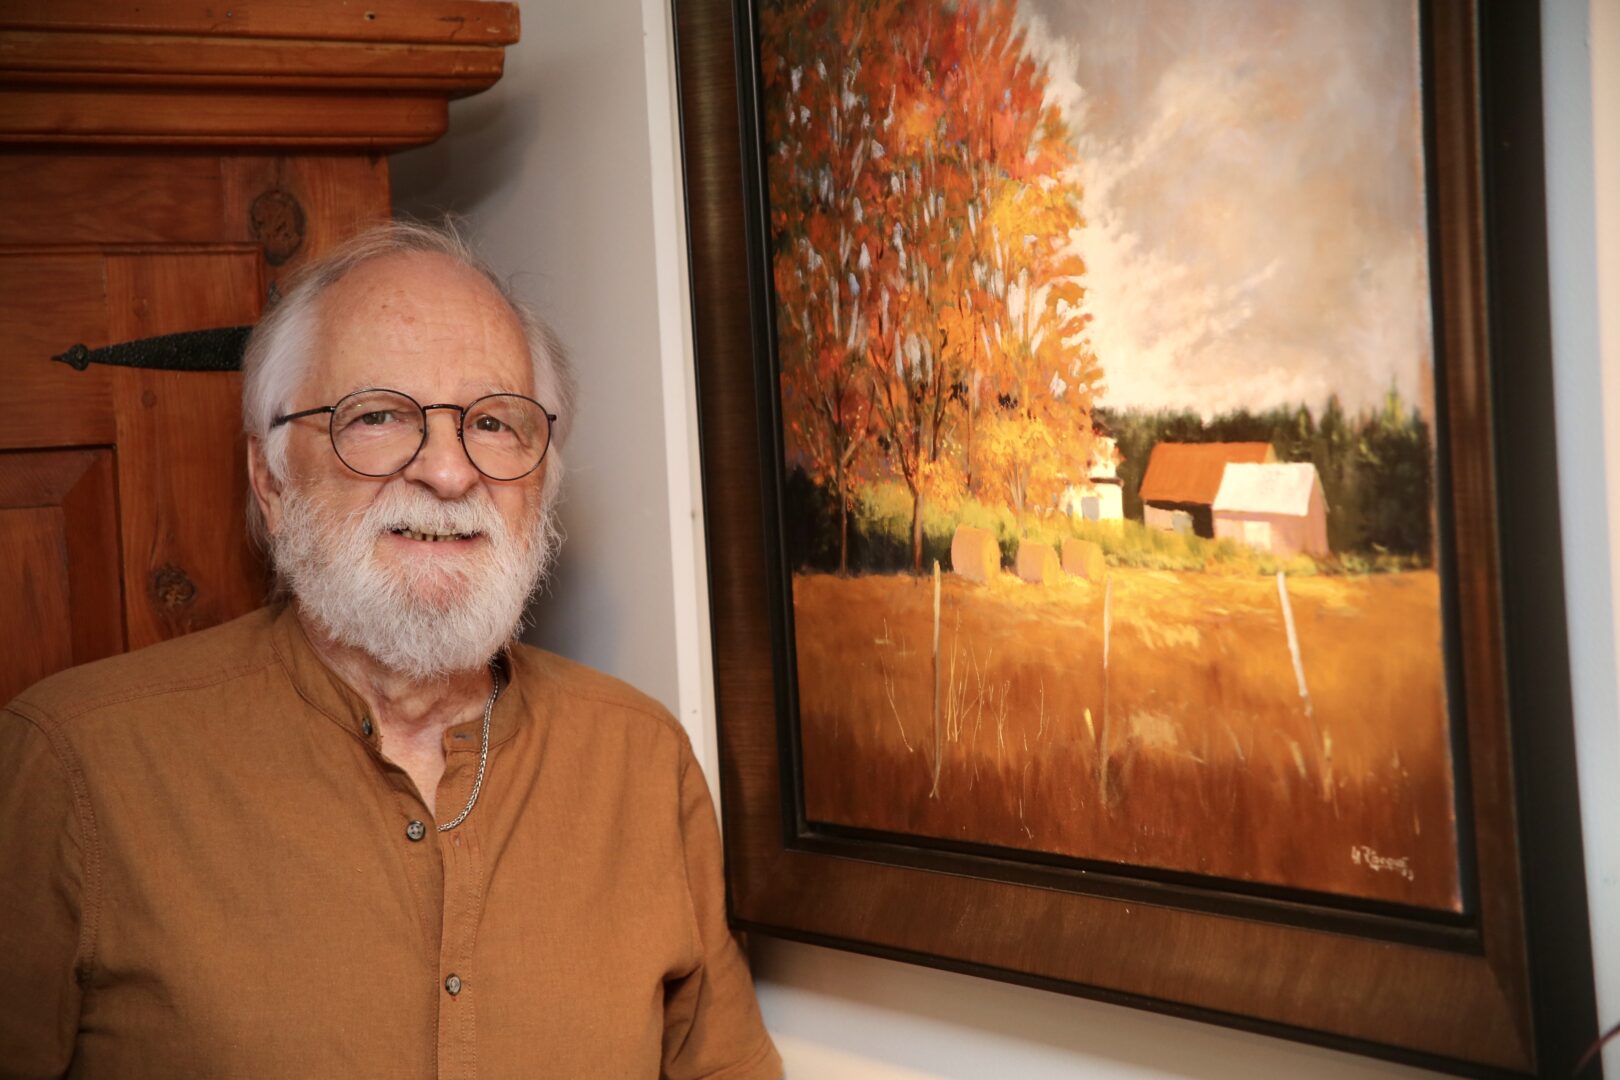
<point x="362" y="832"/>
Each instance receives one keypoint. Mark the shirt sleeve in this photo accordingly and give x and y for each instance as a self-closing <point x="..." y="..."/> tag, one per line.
<point x="45" y="841"/>
<point x="712" y="1025"/>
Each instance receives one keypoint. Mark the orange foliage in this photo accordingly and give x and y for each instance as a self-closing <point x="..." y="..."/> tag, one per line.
<point x="923" y="208"/>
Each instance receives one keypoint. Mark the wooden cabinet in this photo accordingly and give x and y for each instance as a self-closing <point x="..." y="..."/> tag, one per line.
<point x="163" y="165"/>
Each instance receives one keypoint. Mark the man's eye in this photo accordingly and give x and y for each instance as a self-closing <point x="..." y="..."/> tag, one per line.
<point x="489" y="423"/>
<point x="373" y="419"/>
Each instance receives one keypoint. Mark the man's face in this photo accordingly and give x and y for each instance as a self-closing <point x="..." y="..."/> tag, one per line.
<point x="351" y="546"/>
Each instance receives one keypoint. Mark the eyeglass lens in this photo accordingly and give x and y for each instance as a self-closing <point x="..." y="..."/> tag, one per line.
<point x="378" y="432"/>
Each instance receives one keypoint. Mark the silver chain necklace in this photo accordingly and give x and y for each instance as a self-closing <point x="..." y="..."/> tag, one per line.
<point x="483" y="755"/>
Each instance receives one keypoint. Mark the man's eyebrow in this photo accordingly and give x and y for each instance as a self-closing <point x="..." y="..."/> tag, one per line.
<point x="469" y="394"/>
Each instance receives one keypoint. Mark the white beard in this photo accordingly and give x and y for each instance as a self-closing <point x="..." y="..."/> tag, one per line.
<point x="426" y="618"/>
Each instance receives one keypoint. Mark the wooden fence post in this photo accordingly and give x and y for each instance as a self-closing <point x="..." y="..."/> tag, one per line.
<point x="939" y="742"/>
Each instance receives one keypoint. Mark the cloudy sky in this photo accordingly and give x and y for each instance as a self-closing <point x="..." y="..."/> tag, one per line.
<point x="1254" y="196"/>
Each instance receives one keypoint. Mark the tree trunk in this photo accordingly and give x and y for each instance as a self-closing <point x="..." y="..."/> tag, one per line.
<point x="967" y="447"/>
<point x="916" y="531"/>
<point x="843" y="535"/>
<point x="1017" y="493"/>
<point x="843" y="522"/>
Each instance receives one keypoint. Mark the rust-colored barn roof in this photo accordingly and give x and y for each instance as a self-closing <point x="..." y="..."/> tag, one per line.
<point x="1191" y="472"/>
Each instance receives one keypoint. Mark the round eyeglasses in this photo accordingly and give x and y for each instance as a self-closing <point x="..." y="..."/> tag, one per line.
<point x="379" y="432"/>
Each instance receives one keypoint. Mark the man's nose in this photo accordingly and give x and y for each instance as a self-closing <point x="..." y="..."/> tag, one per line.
<point x="442" y="465"/>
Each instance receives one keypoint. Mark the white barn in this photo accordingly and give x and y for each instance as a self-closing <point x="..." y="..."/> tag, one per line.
<point x="1275" y="507"/>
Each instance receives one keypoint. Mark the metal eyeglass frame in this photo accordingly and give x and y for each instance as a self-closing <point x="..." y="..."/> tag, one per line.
<point x="461" y="421"/>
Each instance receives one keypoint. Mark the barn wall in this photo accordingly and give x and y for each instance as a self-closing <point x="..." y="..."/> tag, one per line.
<point x="1157" y="515"/>
<point x="1316" y="539"/>
<point x="1287" y="531"/>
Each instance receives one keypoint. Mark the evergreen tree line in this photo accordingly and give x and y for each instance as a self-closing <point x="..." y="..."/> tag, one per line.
<point x="1377" y="467"/>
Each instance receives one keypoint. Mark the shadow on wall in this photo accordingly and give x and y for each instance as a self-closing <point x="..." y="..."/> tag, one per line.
<point x="896" y="1021"/>
<point x="455" y="174"/>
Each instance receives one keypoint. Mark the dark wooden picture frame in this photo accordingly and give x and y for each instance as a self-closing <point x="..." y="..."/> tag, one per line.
<point x="1505" y="988"/>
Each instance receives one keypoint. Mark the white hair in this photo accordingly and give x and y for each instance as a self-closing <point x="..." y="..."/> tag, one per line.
<point x="276" y="360"/>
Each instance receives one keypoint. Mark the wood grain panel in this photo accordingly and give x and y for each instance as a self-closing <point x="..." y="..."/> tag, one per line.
<point x="51" y="303"/>
<point x="104" y="59"/>
<point x="59" y="581"/>
<point x="181" y="463"/>
<point x="1460" y="272"/>
<point x="253" y="73"/>
<point x="340" y="194"/>
<point x="35" y="579"/>
<point x="90" y="520"/>
<point x="427" y="21"/>
<point x="109" y="200"/>
<point x="220" y="118"/>
<point x="118" y="198"/>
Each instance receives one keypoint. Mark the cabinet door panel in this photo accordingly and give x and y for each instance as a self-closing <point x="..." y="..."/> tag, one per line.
<point x="114" y="244"/>
<point x="60" y="599"/>
<point x="181" y="457"/>
<point x="52" y="301"/>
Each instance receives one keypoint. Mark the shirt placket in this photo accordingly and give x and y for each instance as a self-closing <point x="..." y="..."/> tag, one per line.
<point x="463" y="903"/>
<point x="421" y="857"/>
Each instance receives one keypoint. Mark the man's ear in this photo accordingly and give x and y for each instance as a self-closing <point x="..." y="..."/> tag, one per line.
<point x="266" y="488"/>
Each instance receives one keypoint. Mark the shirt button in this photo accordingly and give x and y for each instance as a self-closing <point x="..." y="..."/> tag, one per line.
<point x="365" y="727"/>
<point x="415" y="831"/>
<point x="453" y="985"/>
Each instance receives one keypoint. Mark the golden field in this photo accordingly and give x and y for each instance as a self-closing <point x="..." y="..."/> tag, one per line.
<point x="1196" y="753"/>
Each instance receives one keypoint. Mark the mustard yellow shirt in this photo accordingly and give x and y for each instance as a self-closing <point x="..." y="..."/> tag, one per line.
<point x="208" y="867"/>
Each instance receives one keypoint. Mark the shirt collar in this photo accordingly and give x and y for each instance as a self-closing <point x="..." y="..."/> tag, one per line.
<point x="328" y="694"/>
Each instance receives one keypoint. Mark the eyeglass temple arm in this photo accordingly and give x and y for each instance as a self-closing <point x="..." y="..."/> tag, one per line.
<point x="278" y="421"/>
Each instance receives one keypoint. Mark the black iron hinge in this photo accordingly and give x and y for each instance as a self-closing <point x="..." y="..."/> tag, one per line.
<point x="193" y="350"/>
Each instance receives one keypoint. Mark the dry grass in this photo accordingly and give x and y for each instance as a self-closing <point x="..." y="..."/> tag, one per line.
<point x="1196" y="754"/>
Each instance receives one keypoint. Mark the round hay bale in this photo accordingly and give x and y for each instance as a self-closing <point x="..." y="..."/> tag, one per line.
<point x="1038" y="563"/>
<point x="1082" y="558"/>
<point x="975" y="554"/>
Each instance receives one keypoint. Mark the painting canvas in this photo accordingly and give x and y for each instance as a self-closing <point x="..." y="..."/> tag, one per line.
<point x="1104" y="362"/>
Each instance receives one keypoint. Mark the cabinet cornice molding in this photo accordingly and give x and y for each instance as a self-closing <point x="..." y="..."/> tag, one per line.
<point x="330" y="73"/>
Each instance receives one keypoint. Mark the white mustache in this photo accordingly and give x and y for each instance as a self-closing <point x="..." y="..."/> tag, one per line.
<point x="414" y="510"/>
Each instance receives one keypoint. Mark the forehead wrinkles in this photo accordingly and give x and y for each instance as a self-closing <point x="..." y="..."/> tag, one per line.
<point x="417" y="307"/>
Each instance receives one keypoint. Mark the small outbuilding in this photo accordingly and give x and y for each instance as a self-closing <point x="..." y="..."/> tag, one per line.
<point x="1182" y="480"/>
<point x="1272" y="507"/>
<point x="1102" y="496"/>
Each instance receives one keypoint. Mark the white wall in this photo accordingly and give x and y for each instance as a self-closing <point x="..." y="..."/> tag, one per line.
<point x="551" y="168"/>
<point x="1581" y="83"/>
<point x="568" y="170"/>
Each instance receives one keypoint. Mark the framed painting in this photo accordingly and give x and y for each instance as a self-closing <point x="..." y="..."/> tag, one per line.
<point x="1132" y="515"/>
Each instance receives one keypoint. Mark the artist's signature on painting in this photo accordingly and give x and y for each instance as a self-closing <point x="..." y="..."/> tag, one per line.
<point x="1362" y="855"/>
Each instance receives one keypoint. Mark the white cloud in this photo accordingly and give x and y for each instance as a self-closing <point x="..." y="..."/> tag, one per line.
<point x="1255" y="229"/>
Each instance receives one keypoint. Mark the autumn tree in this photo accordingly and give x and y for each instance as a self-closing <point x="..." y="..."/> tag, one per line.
<point x="922" y="212"/>
<point x="1044" y="375"/>
<point x="977" y="213"/>
<point x="917" y="210"/>
<point x="1011" y="141"/>
<point x="820" y="142"/>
